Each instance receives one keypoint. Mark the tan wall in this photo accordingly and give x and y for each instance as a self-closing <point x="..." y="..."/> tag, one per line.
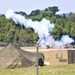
<point x="56" y="61"/>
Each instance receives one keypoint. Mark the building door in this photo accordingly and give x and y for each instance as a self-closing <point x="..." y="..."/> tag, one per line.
<point x="71" y="56"/>
<point x="73" y="52"/>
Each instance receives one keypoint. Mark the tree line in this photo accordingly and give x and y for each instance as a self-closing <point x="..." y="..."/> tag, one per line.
<point x="16" y="33"/>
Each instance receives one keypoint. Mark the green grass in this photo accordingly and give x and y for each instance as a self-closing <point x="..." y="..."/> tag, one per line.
<point x="46" y="70"/>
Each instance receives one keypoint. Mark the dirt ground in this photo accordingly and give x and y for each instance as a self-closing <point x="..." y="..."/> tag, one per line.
<point x="1" y="48"/>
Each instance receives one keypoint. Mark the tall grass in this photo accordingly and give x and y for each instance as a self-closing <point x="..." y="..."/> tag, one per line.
<point x="45" y="70"/>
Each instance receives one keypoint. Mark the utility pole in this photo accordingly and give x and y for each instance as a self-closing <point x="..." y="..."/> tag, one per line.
<point x="37" y="59"/>
<point x="37" y="55"/>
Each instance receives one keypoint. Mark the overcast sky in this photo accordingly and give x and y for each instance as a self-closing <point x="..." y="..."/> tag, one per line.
<point x="27" y="6"/>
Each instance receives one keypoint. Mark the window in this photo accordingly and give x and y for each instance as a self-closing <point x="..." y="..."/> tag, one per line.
<point x="58" y="56"/>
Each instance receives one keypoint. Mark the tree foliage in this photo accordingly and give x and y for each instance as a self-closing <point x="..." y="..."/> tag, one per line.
<point x="11" y="32"/>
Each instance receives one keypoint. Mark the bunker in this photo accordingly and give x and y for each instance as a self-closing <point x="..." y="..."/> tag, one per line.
<point x="62" y="56"/>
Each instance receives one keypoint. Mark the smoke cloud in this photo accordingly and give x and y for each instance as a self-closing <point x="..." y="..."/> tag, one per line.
<point x="65" y="40"/>
<point x="43" y="28"/>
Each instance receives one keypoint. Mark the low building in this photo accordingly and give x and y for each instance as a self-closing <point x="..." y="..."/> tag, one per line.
<point x="62" y="56"/>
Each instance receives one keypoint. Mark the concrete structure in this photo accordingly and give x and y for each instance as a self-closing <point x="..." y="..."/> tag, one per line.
<point x="62" y="56"/>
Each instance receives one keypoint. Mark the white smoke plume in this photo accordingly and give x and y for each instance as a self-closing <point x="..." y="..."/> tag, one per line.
<point x="43" y="28"/>
<point x="65" y="40"/>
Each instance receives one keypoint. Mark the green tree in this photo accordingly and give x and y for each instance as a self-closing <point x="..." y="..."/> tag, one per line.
<point x="54" y="9"/>
<point x="47" y="13"/>
<point x="35" y="12"/>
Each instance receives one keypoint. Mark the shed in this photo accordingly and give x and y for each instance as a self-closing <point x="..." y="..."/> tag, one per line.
<point x="62" y="56"/>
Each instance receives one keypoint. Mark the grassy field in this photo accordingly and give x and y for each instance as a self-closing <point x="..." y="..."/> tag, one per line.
<point x="46" y="70"/>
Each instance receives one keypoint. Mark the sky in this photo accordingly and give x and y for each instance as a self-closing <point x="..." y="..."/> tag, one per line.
<point x="64" y="6"/>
